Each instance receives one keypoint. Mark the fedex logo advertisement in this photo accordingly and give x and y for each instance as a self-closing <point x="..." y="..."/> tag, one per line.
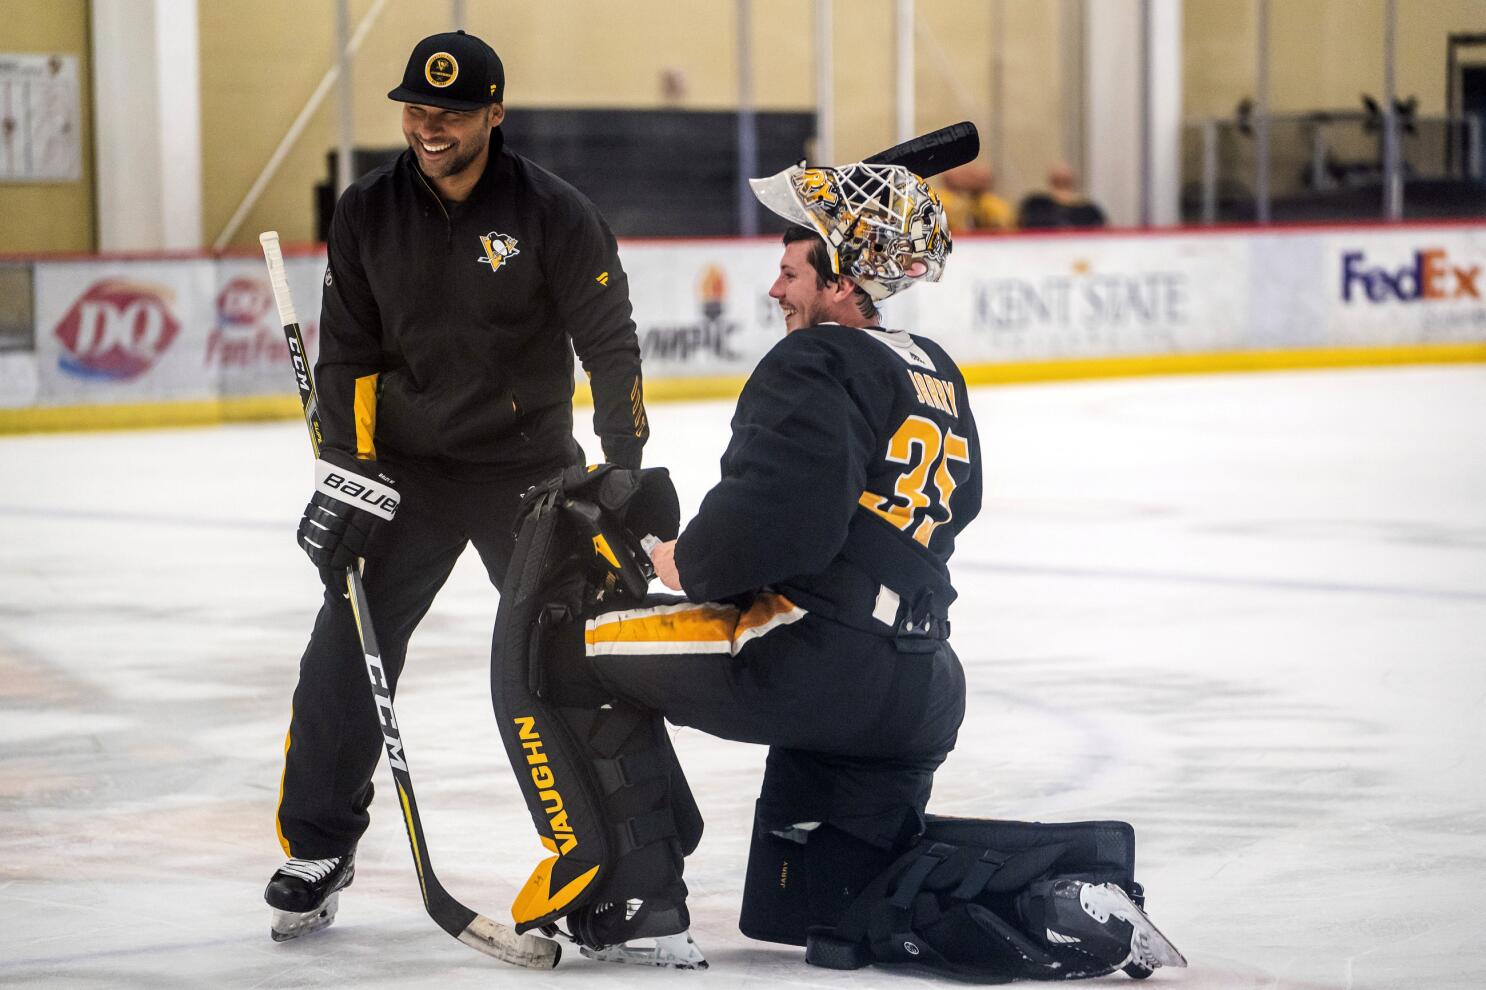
<point x="116" y="330"/>
<point x="1430" y="274"/>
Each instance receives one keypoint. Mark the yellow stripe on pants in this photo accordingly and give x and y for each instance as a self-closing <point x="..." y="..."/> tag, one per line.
<point x="688" y="627"/>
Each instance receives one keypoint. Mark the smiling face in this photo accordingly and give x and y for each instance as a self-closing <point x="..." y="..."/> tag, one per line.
<point x="805" y="298"/>
<point x="451" y="145"/>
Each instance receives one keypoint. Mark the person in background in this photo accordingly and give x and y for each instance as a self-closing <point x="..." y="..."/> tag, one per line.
<point x="1062" y="205"/>
<point x="970" y="202"/>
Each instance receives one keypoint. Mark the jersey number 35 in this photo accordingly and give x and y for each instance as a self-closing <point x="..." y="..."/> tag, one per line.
<point x="923" y="447"/>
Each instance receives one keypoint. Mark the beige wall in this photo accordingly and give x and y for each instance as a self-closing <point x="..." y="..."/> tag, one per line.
<point x="591" y="53"/>
<point x="50" y="216"/>
<point x="558" y="54"/>
<point x="261" y="59"/>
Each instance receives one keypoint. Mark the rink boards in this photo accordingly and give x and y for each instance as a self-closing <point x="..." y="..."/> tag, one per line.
<point x="124" y="341"/>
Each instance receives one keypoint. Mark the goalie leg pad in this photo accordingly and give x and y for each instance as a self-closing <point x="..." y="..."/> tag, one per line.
<point x="600" y="777"/>
<point x="995" y="901"/>
<point x="799" y="879"/>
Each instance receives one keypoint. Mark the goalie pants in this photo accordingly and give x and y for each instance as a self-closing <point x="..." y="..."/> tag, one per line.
<point x="335" y="738"/>
<point x="856" y="728"/>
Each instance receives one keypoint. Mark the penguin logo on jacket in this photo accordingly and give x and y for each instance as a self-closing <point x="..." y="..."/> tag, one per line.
<point x="499" y="248"/>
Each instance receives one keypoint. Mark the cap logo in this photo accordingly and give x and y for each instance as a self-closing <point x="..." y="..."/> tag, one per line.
<point x="441" y="70"/>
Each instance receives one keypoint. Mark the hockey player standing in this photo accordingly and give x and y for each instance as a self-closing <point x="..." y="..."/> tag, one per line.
<point x="460" y="278"/>
<point x="815" y="622"/>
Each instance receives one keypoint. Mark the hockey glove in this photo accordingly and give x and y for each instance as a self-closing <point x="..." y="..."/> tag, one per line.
<point x="353" y="502"/>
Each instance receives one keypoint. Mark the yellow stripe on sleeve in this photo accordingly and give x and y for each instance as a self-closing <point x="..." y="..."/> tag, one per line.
<point x="366" y="418"/>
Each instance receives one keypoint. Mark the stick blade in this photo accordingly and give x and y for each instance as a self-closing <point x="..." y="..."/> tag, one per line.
<point x="934" y="152"/>
<point x="502" y="942"/>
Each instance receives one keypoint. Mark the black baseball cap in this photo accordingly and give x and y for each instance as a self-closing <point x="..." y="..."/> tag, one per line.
<point x="455" y="71"/>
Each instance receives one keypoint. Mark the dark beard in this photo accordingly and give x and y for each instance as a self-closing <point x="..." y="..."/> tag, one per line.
<point x="461" y="162"/>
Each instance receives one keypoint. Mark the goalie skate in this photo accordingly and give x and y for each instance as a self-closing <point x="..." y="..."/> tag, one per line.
<point x="645" y="933"/>
<point x="669" y="951"/>
<point x="1148" y="948"/>
<point x="305" y="894"/>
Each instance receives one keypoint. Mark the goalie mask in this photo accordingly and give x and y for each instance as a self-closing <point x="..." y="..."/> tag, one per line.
<point x="883" y="226"/>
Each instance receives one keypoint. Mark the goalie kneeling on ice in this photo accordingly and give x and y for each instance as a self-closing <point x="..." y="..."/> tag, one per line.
<point x="980" y="899"/>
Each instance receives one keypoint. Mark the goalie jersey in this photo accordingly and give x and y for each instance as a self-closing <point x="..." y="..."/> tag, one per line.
<point x="854" y="463"/>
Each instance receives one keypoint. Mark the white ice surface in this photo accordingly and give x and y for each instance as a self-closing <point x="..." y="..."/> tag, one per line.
<point x="1245" y="613"/>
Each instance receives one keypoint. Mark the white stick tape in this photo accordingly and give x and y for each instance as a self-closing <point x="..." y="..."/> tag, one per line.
<point x="277" y="277"/>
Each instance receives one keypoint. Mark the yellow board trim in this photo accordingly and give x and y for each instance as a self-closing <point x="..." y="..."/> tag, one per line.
<point x="151" y="415"/>
<point x="156" y="415"/>
<point x="1123" y="366"/>
<point x="1222" y="361"/>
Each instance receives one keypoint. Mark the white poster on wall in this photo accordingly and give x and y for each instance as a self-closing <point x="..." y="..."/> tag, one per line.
<point x="41" y="137"/>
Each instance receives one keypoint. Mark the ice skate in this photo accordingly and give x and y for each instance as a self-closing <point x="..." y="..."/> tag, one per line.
<point x="1101" y="921"/>
<point x="650" y="933"/>
<point x="305" y="893"/>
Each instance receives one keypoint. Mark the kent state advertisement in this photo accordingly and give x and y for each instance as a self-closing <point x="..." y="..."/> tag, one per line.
<point x="1048" y="298"/>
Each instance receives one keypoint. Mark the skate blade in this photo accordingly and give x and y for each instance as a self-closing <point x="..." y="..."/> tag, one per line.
<point x="670" y="951"/>
<point x="1149" y="949"/>
<point x="288" y="924"/>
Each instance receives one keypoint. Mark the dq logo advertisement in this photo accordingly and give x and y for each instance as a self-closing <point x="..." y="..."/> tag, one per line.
<point x="116" y="330"/>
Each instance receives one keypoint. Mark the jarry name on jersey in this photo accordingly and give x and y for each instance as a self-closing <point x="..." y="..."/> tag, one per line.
<point x="935" y="393"/>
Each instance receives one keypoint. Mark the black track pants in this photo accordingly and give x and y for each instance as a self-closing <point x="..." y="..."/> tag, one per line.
<point x="335" y="738"/>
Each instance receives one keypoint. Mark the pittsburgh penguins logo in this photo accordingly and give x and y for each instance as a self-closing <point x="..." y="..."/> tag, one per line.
<point x="441" y="70"/>
<point x="814" y="186"/>
<point x="499" y="248"/>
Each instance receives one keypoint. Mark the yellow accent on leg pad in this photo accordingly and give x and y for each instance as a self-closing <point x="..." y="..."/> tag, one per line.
<point x="536" y="899"/>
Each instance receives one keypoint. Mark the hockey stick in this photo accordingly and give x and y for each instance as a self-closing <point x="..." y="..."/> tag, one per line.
<point x="474" y="930"/>
<point x="934" y="152"/>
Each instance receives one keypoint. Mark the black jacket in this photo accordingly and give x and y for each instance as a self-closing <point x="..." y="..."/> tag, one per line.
<point x="854" y="463"/>
<point x="447" y="330"/>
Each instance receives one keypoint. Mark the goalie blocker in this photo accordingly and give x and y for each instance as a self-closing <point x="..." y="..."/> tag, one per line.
<point x="983" y="900"/>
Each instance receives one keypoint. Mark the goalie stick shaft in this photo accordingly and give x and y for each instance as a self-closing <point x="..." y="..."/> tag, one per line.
<point x="934" y="152"/>
<point x="470" y="927"/>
